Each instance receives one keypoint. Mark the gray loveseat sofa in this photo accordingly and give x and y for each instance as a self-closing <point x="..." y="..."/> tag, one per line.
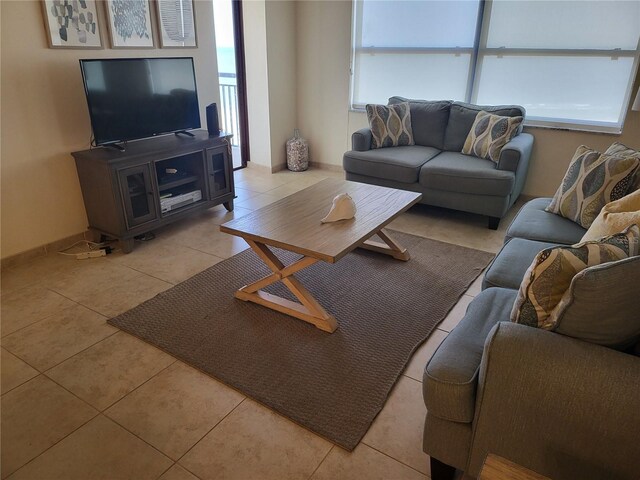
<point x="566" y="408"/>
<point x="435" y="167"/>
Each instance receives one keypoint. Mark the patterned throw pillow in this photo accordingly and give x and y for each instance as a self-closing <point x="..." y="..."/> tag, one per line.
<point x="390" y="125"/>
<point x="549" y="276"/>
<point x="489" y="134"/>
<point x="621" y="150"/>
<point x="591" y="181"/>
<point x="615" y="217"/>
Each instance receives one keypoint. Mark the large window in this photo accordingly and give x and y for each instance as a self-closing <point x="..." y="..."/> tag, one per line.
<point x="571" y="64"/>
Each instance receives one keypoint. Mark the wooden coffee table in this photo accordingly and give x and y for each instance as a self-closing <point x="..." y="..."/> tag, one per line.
<point x="293" y="224"/>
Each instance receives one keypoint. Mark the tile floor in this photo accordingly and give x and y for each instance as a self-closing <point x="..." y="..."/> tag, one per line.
<point x="81" y="400"/>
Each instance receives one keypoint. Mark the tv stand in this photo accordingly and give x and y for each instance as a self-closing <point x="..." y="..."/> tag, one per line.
<point x="155" y="182"/>
<point x="184" y="132"/>
<point x="115" y="146"/>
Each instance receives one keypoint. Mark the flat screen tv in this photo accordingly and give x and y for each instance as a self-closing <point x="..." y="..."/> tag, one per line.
<point x="132" y="98"/>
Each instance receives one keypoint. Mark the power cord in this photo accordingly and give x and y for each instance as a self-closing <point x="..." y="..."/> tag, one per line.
<point x="95" y="250"/>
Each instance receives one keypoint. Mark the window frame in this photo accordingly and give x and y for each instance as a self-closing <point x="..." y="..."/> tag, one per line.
<point x="480" y="50"/>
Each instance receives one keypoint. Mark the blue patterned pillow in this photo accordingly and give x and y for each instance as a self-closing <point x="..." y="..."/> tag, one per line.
<point x="539" y="301"/>
<point x="592" y="180"/>
<point x="489" y="134"/>
<point x="390" y="125"/>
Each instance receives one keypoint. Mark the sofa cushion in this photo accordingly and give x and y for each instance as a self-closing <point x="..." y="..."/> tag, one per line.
<point x="455" y="172"/>
<point x="390" y="125"/>
<point x="534" y="223"/>
<point x="462" y="116"/>
<point x="510" y="265"/>
<point x="549" y="277"/>
<point x="615" y="217"/>
<point x="488" y="134"/>
<point x="401" y="164"/>
<point x="451" y="377"/>
<point x="428" y="120"/>
<point x="614" y="323"/>
<point x="592" y="180"/>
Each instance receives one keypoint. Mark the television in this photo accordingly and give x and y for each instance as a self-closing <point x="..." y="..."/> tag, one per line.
<point x="132" y="98"/>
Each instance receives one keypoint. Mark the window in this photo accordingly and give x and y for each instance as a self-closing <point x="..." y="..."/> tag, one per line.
<point x="571" y="64"/>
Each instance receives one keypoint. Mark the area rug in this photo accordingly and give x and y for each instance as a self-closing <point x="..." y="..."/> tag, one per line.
<point x="333" y="384"/>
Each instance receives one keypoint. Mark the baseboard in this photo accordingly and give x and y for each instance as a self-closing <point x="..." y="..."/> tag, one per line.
<point x="278" y="168"/>
<point x="33" y="253"/>
<point x="327" y="166"/>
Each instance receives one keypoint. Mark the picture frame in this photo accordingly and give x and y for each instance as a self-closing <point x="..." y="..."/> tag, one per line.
<point x="177" y="23"/>
<point x="72" y="24"/>
<point x="129" y="23"/>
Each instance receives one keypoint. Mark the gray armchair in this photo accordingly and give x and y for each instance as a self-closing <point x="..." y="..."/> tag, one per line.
<point x="566" y="403"/>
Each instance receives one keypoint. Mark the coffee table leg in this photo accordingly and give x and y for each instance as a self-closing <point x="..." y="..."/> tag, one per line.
<point x="389" y="247"/>
<point x="308" y="309"/>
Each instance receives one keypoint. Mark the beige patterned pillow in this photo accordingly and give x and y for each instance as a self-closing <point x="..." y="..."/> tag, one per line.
<point x="489" y="134"/>
<point x="549" y="276"/>
<point x="592" y="180"/>
<point x="615" y="217"/>
<point x="390" y="125"/>
<point x="621" y="150"/>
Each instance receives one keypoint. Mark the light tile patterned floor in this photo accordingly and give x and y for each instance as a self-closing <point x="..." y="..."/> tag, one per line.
<point x="81" y="400"/>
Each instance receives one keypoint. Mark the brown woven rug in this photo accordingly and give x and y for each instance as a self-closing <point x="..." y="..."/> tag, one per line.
<point x="333" y="384"/>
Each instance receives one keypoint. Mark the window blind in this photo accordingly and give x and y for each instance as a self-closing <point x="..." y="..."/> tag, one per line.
<point x="571" y="64"/>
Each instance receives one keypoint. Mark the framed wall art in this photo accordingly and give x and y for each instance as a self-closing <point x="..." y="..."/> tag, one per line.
<point x="72" y="23"/>
<point x="176" y="23"/>
<point x="129" y="23"/>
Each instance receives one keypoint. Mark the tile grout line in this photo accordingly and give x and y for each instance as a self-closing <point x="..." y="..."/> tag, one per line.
<point x="45" y="318"/>
<point x="68" y="434"/>
<point x="208" y="432"/>
<point x="146" y="381"/>
<point x="180" y="245"/>
<point x="43" y="372"/>
<point x="395" y="459"/>
<point x="321" y="461"/>
<point x="98" y="412"/>
<point x="168" y="468"/>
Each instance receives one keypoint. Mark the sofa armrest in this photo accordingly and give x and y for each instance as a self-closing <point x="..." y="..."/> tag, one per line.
<point x="361" y="140"/>
<point x="516" y="153"/>
<point x="559" y="406"/>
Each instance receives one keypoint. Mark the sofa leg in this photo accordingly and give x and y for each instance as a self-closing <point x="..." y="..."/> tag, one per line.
<point x="494" y="222"/>
<point x="441" y="471"/>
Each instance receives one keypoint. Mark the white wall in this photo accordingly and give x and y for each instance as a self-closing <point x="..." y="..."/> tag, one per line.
<point x="44" y="118"/>
<point x="323" y="51"/>
<point x="255" y="40"/>
<point x="324" y="40"/>
<point x="270" y="51"/>
<point x="282" y="72"/>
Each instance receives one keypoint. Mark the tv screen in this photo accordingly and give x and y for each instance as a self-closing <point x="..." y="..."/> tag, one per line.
<point x="140" y="97"/>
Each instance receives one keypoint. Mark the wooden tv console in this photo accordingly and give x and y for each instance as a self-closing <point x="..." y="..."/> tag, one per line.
<point x="125" y="192"/>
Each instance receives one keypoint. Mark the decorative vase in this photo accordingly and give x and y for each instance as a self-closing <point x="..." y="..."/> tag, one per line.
<point x="297" y="153"/>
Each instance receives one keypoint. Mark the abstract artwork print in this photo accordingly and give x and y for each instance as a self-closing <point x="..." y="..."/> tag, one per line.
<point x="130" y="23"/>
<point x="176" y="20"/>
<point x="72" y="23"/>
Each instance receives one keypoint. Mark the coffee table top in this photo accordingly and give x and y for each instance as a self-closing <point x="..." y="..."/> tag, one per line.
<point x="293" y="223"/>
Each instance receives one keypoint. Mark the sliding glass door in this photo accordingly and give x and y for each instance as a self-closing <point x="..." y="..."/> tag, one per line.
<point x="232" y="110"/>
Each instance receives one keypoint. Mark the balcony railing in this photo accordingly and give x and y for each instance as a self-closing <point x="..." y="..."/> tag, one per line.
<point x="228" y="111"/>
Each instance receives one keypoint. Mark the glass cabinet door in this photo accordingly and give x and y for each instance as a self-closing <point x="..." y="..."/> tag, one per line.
<point x="137" y="194"/>
<point x="219" y="171"/>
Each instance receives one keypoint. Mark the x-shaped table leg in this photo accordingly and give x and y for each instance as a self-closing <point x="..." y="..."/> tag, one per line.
<point x="389" y="247"/>
<point x="308" y="309"/>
